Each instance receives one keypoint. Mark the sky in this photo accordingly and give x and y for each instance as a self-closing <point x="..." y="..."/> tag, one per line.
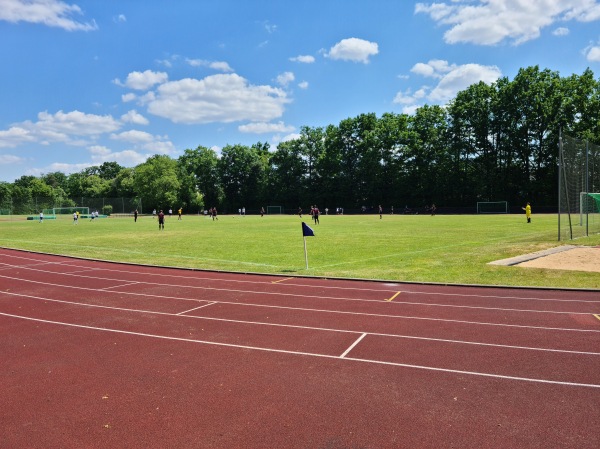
<point x="83" y="82"/>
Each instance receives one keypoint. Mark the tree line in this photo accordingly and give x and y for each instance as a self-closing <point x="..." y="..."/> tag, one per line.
<point x="496" y="142"/>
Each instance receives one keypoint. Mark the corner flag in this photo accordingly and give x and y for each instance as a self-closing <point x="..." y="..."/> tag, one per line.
<point x="307" y="231"/>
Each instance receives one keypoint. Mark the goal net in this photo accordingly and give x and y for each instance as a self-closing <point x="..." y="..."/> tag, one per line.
<point x="58" y="211"/>
<point x="274" y="210"/>
<point x="579" y="178"/>
<point x="492" y="207"/>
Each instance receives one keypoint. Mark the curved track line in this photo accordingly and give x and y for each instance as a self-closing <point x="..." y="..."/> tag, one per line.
<point x="293" y="326"/>
<point x="283" y="351"/>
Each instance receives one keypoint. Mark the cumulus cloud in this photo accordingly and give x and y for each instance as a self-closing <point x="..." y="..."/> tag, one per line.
<point x="221" y="66"/>
<point x="561" y="31"/>
<point x="303" y="85"/>
<point x="285" y="78"/>
<point x="353" y="49"/>
<point x="218" y="98"/>
<point x="490" y="22"/>
<point x="134" y="117"/>
<point x="261" y="128"/>
<point x="143" y="80"/>
<point x="450" y="79"/>
<point x="65" y="127"/>
<point x="592" y="53"/>
<point x="305" y="59"/>
<point x="52" y="13"/>
<point x="8" y="159"/>
<point x="15" y="136"/>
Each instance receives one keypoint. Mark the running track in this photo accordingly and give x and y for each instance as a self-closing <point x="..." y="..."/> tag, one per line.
<point x="103" y="355"/>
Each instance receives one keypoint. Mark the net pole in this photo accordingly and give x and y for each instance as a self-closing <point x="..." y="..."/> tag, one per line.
<point x="587" y="187"/>
<point x="560" y="167"/>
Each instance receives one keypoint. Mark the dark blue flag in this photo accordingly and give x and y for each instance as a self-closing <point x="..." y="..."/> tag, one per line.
<point x="307" y="231"/>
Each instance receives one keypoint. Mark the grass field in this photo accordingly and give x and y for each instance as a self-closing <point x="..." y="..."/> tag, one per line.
<point x="418" y="248"/>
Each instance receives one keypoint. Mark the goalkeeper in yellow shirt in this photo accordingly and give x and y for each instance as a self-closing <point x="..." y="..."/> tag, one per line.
<point x="527" y="210"/>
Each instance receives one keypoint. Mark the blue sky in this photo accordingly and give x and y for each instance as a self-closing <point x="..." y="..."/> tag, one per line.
<point x="89" y="81"/>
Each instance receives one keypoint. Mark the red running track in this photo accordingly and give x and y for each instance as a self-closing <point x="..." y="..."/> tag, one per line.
<point x="103" y="355"/>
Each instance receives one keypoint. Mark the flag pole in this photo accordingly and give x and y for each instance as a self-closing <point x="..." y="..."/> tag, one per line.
<point x="305" y="254"/>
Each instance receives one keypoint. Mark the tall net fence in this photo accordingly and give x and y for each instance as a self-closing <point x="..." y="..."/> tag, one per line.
<point x="578" y="189"/>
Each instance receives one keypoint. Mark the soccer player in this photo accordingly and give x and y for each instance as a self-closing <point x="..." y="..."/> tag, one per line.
<point x="179" y="211"/>
<point x="161" y="220"/>
<point x="527" y="210"/>
<point x="75" y="218"/>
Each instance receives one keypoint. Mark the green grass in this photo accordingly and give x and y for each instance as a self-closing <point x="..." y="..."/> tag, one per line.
<point x="419" y="248"/>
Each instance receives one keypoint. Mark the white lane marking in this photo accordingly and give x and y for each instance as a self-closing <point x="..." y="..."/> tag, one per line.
<point x="406" y="317"/>
<point x="407" y="288"/>
<point x="320" y="297"/>
<point x="196" y="308"/>
<point x="351" y="347"/>
<point x="283" y="351"/>
<point x="292" y="326"/>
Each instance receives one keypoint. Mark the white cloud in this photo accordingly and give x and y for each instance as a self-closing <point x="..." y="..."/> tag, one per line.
<point x="218" y="98"/>
<point x="143" y="80"/>
<point x="261" y="128"/>
<point x="460" y="78"/>
<point x="8" y="159"/>
<point x="285" y="78"/>
<point x="128" y="97"/>
<point x="53" y="13"/>
<point x="451" y="78"/>
<point x="133" y="136"/>
<point x="120" y="18"/>
<point x="60" y="127"/>
<point x="15" y="136"/>
<point x="305" y="59"/>
<point x="561" y="31"/>
<point x="353" y="49"/>
<point x="592" y="53"/>
<point x="75" y="123"/>
<point x="221" y="66"/>
<point x="303" y="85"/>
<point x="126" y="158"/>
<point x="142" y="140"/>
<point x="134" y="117"/>
<point x="490" y="22"/>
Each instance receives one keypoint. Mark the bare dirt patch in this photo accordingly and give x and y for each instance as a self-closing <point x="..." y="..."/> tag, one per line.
<point x="574" y="259"/>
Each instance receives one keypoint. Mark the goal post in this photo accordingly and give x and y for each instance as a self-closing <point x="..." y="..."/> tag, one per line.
<point x="274" y="210"/>
<point x="492" y="207"/>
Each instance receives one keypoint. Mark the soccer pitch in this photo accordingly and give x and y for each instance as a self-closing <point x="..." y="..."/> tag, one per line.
<point x="414" y="248"/>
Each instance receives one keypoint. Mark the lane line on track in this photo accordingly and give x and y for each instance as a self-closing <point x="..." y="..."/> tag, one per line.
<point x="293" y="326"/>
<point x="196" y="308"/>
<point x="295" y="295"/>
<point x="305" y="309"/>
<point x="351" y="347"/>
<point x="325" y="356"/>
<point x="119" y="286"/>
<point x="304" y="285"/>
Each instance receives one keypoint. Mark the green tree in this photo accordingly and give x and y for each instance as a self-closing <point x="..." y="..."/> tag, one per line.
<point x="202" y="164"/>
<point x="157" y="183"/>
